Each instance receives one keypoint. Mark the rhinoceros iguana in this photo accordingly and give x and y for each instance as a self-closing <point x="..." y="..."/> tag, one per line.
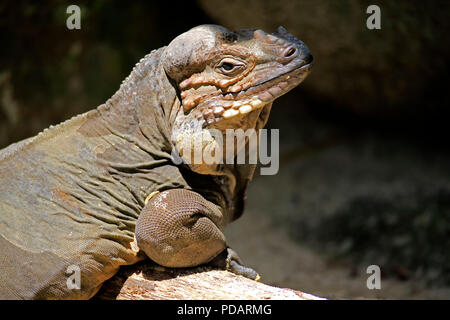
<point x="101" y="189"/>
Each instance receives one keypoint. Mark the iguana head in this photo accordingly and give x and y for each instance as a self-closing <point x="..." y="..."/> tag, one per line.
<point x="228" y="80"/>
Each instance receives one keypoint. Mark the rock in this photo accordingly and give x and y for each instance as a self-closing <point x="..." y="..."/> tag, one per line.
<point x="368" y="195"/>
<point x="398" y="70"/>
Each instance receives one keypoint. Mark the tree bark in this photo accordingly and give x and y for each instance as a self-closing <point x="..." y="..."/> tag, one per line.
<point x="152" y="282"/>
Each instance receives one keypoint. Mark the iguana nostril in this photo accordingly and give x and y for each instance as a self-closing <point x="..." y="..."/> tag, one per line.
<point x="290" y="52"/>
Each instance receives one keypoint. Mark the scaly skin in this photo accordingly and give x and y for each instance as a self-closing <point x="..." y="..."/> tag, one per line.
<point x="78" y="193"/>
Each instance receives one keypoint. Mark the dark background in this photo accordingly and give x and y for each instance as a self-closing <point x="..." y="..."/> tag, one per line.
<point x="365" y="162"/>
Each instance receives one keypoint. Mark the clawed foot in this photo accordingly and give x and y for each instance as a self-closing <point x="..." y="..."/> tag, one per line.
<point x="230" y="261"/>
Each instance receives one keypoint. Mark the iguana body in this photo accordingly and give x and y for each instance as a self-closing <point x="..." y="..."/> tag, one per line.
<point x="72" y="195"/>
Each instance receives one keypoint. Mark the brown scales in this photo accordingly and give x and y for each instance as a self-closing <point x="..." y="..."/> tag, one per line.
<point x="75" y="194"/>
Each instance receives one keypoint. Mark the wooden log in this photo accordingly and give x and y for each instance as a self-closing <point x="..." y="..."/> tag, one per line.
<point x="152" y="282"/>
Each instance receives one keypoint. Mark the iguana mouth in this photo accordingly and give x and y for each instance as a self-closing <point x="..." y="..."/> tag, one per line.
<point x="230" y="105"/>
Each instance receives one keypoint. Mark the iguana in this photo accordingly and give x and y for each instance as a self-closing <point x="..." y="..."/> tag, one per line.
<point x="102" y="189"/>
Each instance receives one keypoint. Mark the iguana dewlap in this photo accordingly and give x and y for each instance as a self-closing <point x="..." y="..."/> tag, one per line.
<point x="77" y="194"/>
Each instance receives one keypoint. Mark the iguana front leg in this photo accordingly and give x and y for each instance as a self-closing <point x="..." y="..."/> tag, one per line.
<point x="180" y="228"/>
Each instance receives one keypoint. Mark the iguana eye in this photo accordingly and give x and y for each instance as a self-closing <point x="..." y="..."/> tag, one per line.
<point x="226" y="66"/>
<point x="230" y="66"/>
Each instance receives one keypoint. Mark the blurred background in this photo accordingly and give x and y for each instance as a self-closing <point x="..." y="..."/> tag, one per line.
<point x="364" y="152"/>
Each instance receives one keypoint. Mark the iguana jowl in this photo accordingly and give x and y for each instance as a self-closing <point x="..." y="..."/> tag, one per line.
<point x="75" y="195"/>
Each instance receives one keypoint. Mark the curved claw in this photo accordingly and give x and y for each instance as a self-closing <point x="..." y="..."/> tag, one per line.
<point x="243" y="271"/>
<point x="230" y="261"/>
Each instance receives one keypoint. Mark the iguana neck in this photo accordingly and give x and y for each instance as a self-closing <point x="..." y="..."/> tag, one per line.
<point x="140" y="110"/>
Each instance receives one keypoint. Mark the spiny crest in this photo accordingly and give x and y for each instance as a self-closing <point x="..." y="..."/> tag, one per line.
<point x="139" y="72"/>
